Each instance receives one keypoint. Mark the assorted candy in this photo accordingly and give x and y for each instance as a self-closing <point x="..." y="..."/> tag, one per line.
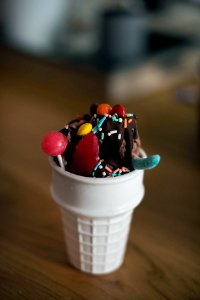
<point x="102" y="143"/>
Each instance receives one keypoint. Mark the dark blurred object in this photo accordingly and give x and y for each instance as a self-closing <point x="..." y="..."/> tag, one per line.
<point x="123" y="34"/>
<point x="158" y="41"/>
<point x="153" y="5"/>
<point x="198" y="104"/>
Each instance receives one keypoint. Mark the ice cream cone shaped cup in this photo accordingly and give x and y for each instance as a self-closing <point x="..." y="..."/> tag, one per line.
<point x="97" y="214"/>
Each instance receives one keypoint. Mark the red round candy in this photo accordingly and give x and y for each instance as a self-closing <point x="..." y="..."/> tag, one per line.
<point x="54" y="143"/>
<point x="118" y="109"/>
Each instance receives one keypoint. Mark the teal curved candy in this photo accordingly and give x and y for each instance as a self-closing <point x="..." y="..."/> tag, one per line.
<point x="145" y="163"/>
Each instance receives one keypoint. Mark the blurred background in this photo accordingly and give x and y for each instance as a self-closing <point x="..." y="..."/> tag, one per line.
<point x="70" y="53"/>
<point x="141" y="46"/>
<point x="59" y="56"/>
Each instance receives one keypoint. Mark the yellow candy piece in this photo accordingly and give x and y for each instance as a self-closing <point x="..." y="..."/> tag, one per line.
<point x="84" y="129"/>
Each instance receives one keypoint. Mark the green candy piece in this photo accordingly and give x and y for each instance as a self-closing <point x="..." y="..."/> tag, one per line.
<point x="145" y="163"/>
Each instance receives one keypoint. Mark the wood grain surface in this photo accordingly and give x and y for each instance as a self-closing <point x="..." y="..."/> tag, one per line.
<point x="162" y="257"/>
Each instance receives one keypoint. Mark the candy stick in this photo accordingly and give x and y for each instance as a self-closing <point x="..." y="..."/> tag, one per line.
<point x="60" y="160"/>
<point x="54" y="143"/>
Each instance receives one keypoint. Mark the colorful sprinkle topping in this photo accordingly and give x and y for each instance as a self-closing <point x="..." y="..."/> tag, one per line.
<point x="99" y="125"/>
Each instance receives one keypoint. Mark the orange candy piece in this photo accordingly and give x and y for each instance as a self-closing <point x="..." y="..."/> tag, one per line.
<point x="103" y="109"/>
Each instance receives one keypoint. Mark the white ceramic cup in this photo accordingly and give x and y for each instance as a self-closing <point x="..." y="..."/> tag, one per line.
<point x="96" y="214"/>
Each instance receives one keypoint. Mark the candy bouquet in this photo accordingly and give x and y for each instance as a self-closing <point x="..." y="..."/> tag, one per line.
<point x="97" y="167"/>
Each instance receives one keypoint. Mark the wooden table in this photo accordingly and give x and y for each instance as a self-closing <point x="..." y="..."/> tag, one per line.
<point x="162" y="258"/>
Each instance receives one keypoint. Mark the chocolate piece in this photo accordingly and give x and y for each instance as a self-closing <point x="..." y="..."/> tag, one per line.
<point x="65" y="131"/>
<point x="87" y="118"/>
<point x="109" y="149"/>
<point x="93" y="109"/>
<point x="122" y="149"/>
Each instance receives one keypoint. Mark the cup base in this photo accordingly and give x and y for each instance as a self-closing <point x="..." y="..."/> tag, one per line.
<point x="96" y="271"/>
<point x="96" y="245"/>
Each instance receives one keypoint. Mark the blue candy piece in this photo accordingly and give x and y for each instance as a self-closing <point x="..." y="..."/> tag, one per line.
<point x="145" y="163"/>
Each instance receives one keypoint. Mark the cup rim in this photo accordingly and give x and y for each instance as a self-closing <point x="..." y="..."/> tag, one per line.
<point x="95" y="180"/>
